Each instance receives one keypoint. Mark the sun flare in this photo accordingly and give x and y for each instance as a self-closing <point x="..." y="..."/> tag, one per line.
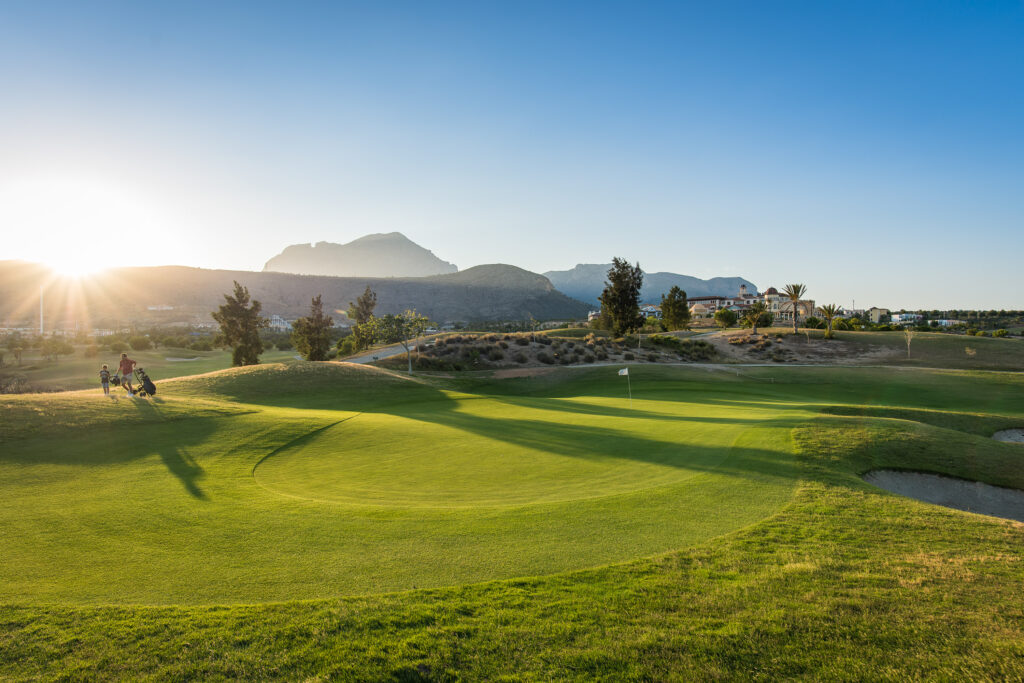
<point x="78" y="226"/>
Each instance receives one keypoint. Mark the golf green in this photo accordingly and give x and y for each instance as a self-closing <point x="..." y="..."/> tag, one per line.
<point x="314" y="481"/>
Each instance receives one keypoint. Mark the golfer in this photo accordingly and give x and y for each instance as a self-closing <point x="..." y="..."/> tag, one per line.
<point x="126" y="367"/>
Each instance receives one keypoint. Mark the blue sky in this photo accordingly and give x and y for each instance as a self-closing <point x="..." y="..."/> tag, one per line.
<point x="870" y="150"/>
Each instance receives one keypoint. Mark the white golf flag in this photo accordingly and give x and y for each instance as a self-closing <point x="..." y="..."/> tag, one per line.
<point x="624" y="371"/>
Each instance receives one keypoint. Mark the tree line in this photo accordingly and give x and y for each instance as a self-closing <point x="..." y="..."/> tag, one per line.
<point x="240" y="319"/>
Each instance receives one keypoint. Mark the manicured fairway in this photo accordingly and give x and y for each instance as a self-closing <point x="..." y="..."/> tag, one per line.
<point x="538" y="527"/>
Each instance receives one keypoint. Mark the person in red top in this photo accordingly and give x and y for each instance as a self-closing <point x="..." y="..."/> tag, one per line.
<point x="126" y="367"/>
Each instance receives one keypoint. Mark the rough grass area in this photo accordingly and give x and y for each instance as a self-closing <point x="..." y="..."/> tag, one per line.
<point x="718" y="528"/>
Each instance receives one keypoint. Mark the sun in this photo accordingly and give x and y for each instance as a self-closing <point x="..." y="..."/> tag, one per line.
<point x="78" y="226"/>
<point x="77" y="267"/>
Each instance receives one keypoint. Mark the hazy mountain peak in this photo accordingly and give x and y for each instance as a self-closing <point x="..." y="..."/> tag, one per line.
<point x="390" y="254"/>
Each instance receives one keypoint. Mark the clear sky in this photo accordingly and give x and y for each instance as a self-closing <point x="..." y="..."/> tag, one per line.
<point x="872" y="150"/>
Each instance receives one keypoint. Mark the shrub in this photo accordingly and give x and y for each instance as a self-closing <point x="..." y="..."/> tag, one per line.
<point x="545" y="358"/>
<point x="200" y="345"/>
<point x="91" y="351"/>
<point x="495" y="354"/>
<point x="522" y="341"/>
<point x="601" y="355"/>
<point x="519" y="357"/>
<point x="564" y="360"/>
<point x="140" y="343"/>
<point x="346" y="346"/>
<point x="286" y="345"/>
<point x="588" y="358"/>
<point x="628" y="356"/>
<point x="119" y="346"/>
<point x="503" y="344"/>
<point x="1000" y="333"/>
<point x="652" y="357"/>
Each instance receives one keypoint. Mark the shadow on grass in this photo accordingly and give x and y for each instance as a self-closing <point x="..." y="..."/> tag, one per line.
<point x="169" y="440"/>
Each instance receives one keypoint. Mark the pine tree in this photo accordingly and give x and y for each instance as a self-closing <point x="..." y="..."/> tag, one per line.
<point x="620" y="300"/>
<point x="311" y="335"/>
<point x="240" y="324"/>
<point x="362" y="313"/>
<point x="675" y="309"/>
<point x="362" y="309"/>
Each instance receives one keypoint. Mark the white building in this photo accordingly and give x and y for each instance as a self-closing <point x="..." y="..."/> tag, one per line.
<point x="279" y="324"/>
<point x="905" y="318"/>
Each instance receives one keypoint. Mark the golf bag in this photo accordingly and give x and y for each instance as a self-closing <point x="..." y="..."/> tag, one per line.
<point x="146" y="386"/>
<point x="115" y="380"/>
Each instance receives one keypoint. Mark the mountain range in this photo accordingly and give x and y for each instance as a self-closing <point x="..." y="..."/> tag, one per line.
<point x="378" y="255"/>
<point x="586" y="282"/>
<point x="390" y="264"/>
<point x="181" y="294"/>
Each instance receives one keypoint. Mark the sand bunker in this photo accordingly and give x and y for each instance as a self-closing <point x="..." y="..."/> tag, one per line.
<point x="1010" y="436"/>
<point x="960" y="494"/>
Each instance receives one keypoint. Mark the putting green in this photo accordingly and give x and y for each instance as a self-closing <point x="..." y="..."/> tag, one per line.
<point x="488" y="452"/>
<point x="305" y="481"/>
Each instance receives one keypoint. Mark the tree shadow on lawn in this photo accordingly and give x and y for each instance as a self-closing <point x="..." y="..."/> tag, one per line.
<point x="588" y="442"/>
<point x="169" y="440"/>
<point x="575" y="407"/>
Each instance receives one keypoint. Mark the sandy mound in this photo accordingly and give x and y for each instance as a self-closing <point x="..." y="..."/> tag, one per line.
<point x="1010" y="436"/>
<point x="960" y="494"/>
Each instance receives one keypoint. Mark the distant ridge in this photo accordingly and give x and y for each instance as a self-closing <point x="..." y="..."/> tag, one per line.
<point x="178" y="293"/>
<point x="389" y="254"/>
<point x="586" y="282"/>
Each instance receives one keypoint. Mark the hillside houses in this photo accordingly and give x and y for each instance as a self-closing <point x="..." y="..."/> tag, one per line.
<point x="776" y="303"/>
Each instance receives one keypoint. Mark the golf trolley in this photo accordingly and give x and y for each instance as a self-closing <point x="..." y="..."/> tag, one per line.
<point x="145" y="384"/>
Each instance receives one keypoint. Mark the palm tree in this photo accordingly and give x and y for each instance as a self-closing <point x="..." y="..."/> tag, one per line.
<point x="829" y="312"/>
<point x="795" y="293"/>
<point x="752" y="316"/>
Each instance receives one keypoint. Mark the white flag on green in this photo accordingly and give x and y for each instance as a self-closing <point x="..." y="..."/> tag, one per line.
<point x="624" y="371"/>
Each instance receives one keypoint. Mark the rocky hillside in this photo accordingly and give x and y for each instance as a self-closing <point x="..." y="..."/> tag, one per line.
<point x="379" y="255"/>
<point x="586" y="281"/>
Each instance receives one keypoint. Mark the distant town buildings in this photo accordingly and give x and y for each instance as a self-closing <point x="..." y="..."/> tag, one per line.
<point x="279" y="324"/>
<point x="905" y="318"/>
<point x="775" y="303"/>
<point x="878" y="315"/>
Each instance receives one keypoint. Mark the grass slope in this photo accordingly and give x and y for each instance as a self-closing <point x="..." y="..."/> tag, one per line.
<point x="76" y="372"/>
<point x="842" y="581"/>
